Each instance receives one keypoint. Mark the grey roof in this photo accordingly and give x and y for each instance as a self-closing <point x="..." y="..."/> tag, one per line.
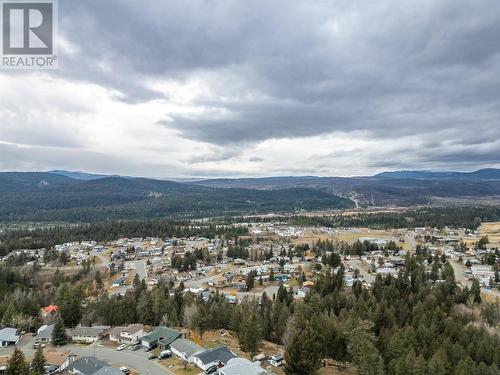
<point x="88" y="331"/>
<point x="186" y="346"/>
<point x="88" y="365"/>
<point x="163" y="335"/>
<point x="9" y="335"/>
<point x="221" y="354"/>
<point x="108" y="370"/>
<point x="241" y="366"/>
<point x="115" y="331"/>
<point x="133" y="328"/>
<point x="46" y="333"/>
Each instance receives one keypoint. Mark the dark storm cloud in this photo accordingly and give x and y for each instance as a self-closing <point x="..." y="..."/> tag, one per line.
<point x="287" y="69"/>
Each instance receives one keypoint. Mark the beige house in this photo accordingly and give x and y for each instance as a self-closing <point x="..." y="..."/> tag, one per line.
<point x="127" y="335"/>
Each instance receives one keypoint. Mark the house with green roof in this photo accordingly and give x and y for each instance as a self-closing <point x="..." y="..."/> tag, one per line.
<point x="161" y="337"/>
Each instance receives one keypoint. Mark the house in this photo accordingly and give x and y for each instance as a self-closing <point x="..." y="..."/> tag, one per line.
<point x="242" y="366"/>
<point x="49" y="310"/>
<point x="88" y="334"/>
<point x="308" y="283"/>
<point x="276" y="360"/>
<point x="44" y="334"/>
<point x="161" y="336"/>
<point x="114" y="334"/>
<point x="121" y="281"/>
<point x="480" y="270"/>
<point x="217" y="356"/>
<point x="9" y="336"/>
<point x="108" y="370"/>
<point x="301" y="292"/>
<point x="4" y="360"/>
<point x="87" y="366"/>
<point x="127" y="335"/>
<point x="185" y="349"/>
<point x="93" y="366"/>
<point x="241" y="285"/>
<point x="58" y="361"/>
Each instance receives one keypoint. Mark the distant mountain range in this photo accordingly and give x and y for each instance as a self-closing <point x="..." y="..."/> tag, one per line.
<point x="388" y="188"/>
<point x="85" y="197"/>
<point x="53" y="197"/>
<point x="481" y="174"/>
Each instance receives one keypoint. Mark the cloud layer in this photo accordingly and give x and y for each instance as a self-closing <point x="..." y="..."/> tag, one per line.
<point x="261" y="88"/>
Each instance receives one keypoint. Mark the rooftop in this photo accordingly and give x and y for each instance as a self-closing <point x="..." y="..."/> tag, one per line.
<point x="221" y="354"/>
<point x="241" y="366"/>
<point x="9" y="334"/>
<point x="186" y="346"/>
<point x="162" y="334"/>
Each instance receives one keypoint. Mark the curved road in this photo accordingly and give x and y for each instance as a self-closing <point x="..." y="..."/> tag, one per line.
<point x="134" y="360"/>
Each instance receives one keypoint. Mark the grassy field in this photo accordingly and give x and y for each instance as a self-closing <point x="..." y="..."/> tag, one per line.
<point x="348" y="236"/>
<point x="492" y="230"/>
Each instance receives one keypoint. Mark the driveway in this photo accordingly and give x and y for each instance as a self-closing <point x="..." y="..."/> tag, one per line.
<point x="134" y="360"/>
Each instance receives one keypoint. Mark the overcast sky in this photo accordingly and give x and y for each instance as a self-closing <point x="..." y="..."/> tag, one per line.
<point x="260" y="88"/>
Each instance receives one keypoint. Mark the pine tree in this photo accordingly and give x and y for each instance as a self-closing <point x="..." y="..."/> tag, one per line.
<point x="59" y="333"/>
<point x="70" y="302"/>
<point x="476" y="291"/>
<point x="38" y="363"/>
<point x="8" y="315"/>
<point x="303" y="353"/>
<point x="249" y="333"/>
<point x="437" y="364"/>
<point x="98" y="280"/>
<point x="17" y="364"/>
<point x="364" y="354"/>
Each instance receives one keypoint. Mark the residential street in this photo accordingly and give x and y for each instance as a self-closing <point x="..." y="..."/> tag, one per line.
<point x="134" y="360"/>
<point x="140" y="268"/>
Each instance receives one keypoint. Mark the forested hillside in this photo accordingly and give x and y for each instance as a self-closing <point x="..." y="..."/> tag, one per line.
<point x="48" y="197"/>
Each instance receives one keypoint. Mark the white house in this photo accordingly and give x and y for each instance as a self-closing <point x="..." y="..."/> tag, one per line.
<point x="88" y="334"/>
<point x="126" y="335"/>
<point x="9" y="336"/>
<point x="482" y="270"/>
<point x="242" y="366"/>
<point x="211" y="357"/>
<point x="185" y="349"/>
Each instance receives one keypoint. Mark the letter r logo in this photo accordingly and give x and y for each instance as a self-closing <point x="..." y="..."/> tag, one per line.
<point x="27" y="28"/>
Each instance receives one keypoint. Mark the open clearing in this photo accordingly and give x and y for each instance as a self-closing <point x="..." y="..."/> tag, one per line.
<point x="492" y="230"/>
<point x="349" y="235"/>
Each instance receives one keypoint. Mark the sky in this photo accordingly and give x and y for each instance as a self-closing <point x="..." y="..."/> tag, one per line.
<point x="260" y="88"/>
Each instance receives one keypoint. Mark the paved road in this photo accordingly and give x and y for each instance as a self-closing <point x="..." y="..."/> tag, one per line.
<point x="140" y="268"/>
<point x="459" y="271"/>
<point x="356" y="263"/>
<point x="135" y="360"/>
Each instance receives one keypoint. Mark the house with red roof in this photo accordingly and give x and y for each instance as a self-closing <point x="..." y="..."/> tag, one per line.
<point x="49" y="310"/>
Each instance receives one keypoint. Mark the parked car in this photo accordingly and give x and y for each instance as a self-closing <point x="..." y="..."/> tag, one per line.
<point x="153" y="356"/>
<point x="125" y="370"/>
<point x="165" y="354"/>
<point x="135" y="347"/>
<point x="212" y="369"/>
<point x="121" y="347"/>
